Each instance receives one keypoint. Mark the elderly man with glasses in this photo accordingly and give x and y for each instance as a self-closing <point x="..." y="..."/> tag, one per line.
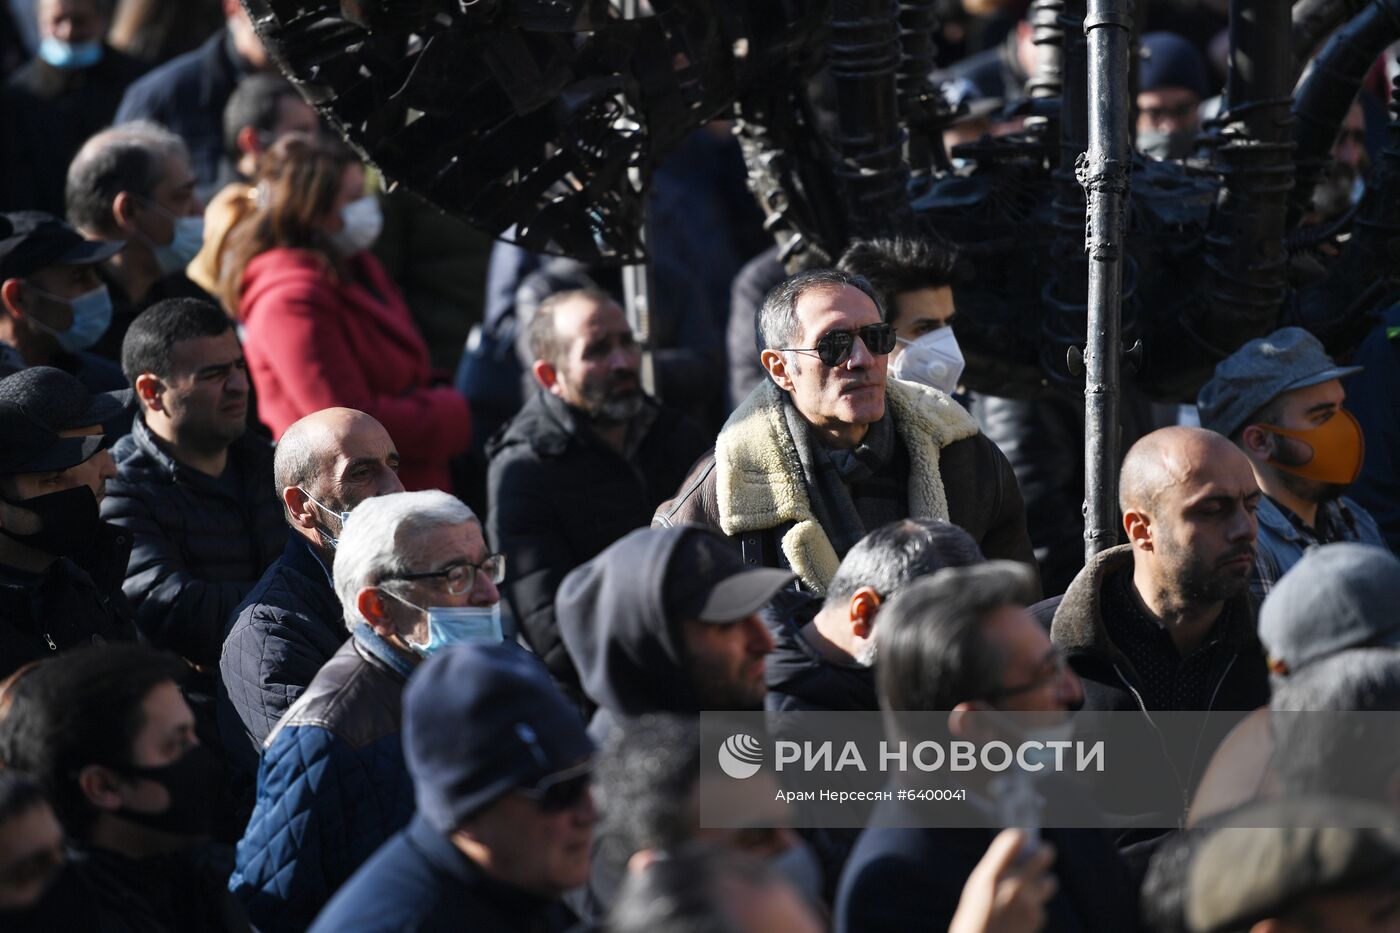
<point x="828" y="447"/>
<point x="414" y="576"/>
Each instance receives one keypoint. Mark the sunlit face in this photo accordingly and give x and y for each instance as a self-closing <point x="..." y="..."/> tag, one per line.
<point x="598" y="369"/>
<point x="440" y="549"/>
<point x="1302" y="410"/>
<point x="206" y="395"/>
<point x="921" y="312"/>
<point x="541" y="852"/>
<point x="833" y="398"/>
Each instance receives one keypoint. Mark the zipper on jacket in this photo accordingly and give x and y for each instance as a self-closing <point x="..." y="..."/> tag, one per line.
<point x="49" y="638"/>
<point x="1210" y="707"/>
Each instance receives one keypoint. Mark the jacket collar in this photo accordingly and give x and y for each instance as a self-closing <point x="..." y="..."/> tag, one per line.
<point x="1275" y="518"/>
<point x="379" y="650"/>
<point x="760" y="483"/>
<point x="240" y="451"/>
<point x="1079" y="627"/>
<point x="439" y="851"/>
<point x="550" y="426"/>
<point x="301" y="557"/>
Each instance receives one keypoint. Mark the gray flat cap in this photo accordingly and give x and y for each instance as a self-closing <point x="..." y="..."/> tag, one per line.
<point x="1338" y="596"/>
<point x="1261" y="371"/>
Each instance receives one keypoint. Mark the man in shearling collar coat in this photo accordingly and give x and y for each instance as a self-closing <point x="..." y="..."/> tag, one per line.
<point x="829" y="447"/>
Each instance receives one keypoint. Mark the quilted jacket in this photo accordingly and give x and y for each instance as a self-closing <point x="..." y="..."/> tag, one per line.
<point x="332" y="787"/>
<point x="197" y="550"/>
<point x="286" y="630"/>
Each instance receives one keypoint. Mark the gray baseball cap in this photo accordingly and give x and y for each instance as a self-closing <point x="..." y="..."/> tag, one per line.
<point x="1261" y="371"/>
<point x="1338" y="596"/>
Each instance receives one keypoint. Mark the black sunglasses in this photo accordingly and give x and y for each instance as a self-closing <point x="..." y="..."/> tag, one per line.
<point x="834" y="347"/>
<point x="556" y="796"/>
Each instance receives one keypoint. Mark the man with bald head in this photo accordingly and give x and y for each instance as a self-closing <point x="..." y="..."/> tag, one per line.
<point x="291" y="623"/>
<point x="1165" y="622"/>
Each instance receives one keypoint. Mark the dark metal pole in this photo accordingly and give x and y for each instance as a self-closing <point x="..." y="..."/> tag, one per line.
<point x="1103" y="171"/>
<point x="638" y="282"/>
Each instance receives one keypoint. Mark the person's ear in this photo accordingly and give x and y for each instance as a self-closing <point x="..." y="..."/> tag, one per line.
<point x="964" y="726"/>
<point x="1254" y="441"/>
<point x="148" y="389"/>
<point x="12" y="296"/>
<point x="124" y="211"/>
<point x="247" y="141"/>
<point x="641" y="860"/>
<point x="865" y="604"/>
<point x="374" y="606"/>
<point x="546" y="375"/>
<point x="1138" y="527"/>
<point x="101" y="787"/>
<point x="299" y="507"/>
<point x="778" y="370"/>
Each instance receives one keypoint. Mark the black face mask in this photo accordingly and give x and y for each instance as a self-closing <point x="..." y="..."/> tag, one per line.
<point x="69" y="521"/>
<point x="195" y="784"/>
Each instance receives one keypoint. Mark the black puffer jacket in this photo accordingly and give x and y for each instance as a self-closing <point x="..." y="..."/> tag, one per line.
<point x="67" y="605"/>
<point x="286" y="630"/>
<point x="559" y="496"/>
<point x="197" y="550"/>
<point x="800" y="679"/>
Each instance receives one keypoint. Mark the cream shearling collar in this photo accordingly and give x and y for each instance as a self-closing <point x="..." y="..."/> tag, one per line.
<point x="759" y="476"/>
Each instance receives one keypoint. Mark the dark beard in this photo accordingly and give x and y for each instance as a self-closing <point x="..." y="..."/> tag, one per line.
<point x="609" y="403"/>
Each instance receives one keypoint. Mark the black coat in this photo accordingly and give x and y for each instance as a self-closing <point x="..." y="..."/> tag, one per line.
<point x="799" y="679"/>
<point x="418" y="882"/>
<point x="559" y="496"/>
<point x="197" y="549"/>
<point x="67" y="605"/>
<point x="288" y="627"/>
<point x="910" y="879"/>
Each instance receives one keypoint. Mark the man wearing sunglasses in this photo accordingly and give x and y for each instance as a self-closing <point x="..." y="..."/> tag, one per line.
<point x="414" y="576"/>
<point x="501" y="768"/>
<point x="828" y="447"/>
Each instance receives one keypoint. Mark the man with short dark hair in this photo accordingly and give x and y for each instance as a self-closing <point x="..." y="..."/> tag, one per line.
<point x="53" y="305"/>
<point x="188" y="93"/>
<point x="824" y="654"/>
<point x="914" y="279"/>
<point x="413" y="576"/>
<point x="291" y="623"/>
<point x="1279" y="398"/>
<point x="666" y="621"/>
<point x="63" y="95"/>
<point x="61" y="567"/>
<point x="134" y="183"/>
<point x="113" y="742"/>
<point x="501" y="772"/>
<point x="192" y="487"/>
<point x="588" y="459"/>
<point x="963" y="641"/>
<point x="827" y="448"/>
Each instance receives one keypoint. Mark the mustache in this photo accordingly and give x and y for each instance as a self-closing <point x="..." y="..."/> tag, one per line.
<point x="1237" y="553"/>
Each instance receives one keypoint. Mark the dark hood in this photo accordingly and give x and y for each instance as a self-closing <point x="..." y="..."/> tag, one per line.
<point x="630" y="659"/>
<point x="798" y="677"/>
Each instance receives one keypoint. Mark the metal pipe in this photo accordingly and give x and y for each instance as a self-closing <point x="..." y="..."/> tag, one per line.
<point x="638" y="281"/>
<point x="1103" y="171"/>
<point x="1047" y="35"/>
<point x="1314" y="21"/>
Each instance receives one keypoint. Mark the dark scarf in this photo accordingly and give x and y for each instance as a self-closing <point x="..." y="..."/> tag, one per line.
<point x="855" y="490"/>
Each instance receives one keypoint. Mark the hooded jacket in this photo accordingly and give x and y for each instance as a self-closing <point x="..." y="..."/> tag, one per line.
<point x="1239" y="679"/>
<point x="800" y="679"/>
<point x="631" y="659"/>
<point x="752" y="489"/>
<point x="559" y="496"/>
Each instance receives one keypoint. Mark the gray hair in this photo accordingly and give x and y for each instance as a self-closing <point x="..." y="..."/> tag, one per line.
<point x="377" y="542"/>
<point x="777" y="326"/>
<point x="894" y="555"/>
<point x="130" y="157"/>
<point x="295" y="460"/>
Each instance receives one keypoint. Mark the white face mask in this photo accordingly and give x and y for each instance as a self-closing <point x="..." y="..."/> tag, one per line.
<point x="363" y="224"/>
<point x="935" y="359"/>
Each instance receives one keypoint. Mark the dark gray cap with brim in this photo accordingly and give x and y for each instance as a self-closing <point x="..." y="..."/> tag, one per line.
<point x="707" y="580"/>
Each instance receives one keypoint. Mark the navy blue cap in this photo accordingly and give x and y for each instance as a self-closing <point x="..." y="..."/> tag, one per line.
<point x="1261" y="371"/>
<point x="32" y="240"/>
<point x="482" y="720"/>
<point x="37" y="404"/>
<point x="1168" y="60"/>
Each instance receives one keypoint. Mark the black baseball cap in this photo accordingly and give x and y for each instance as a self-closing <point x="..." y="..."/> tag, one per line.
<point x="706" y="579"/>
<point x="37" y="404"/>
<point x="33" y="240"/>
<point x="33" y="447"/>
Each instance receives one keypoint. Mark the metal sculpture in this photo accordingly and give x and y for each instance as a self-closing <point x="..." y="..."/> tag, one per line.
<point x="545" y="117"/>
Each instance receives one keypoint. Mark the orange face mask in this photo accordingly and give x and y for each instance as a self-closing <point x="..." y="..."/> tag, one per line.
<point x="1337" y="445"/>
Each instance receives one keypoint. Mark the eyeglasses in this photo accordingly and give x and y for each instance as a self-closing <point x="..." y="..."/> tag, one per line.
<point x="1056" y="665"/>
<point x="834" y="347"/>
<point x="560" y="792"/>
<point x="462" y="577"/>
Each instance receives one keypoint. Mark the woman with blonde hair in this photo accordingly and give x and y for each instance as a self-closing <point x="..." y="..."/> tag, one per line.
<point x="323" y="324"/>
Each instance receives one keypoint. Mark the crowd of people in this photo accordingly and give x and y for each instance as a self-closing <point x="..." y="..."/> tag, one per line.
<point x="316" y="614"/>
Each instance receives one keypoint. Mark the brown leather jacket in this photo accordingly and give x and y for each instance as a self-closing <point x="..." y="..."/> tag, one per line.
<point x="750" y="486"/>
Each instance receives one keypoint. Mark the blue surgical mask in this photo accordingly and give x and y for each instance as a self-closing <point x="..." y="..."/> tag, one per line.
<point x="70" y="56"/>
<point x="331" y="541"/>
<point x="184" y="245"/>
<point x="456" y="625"/>
<point x="92" y="315"/>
